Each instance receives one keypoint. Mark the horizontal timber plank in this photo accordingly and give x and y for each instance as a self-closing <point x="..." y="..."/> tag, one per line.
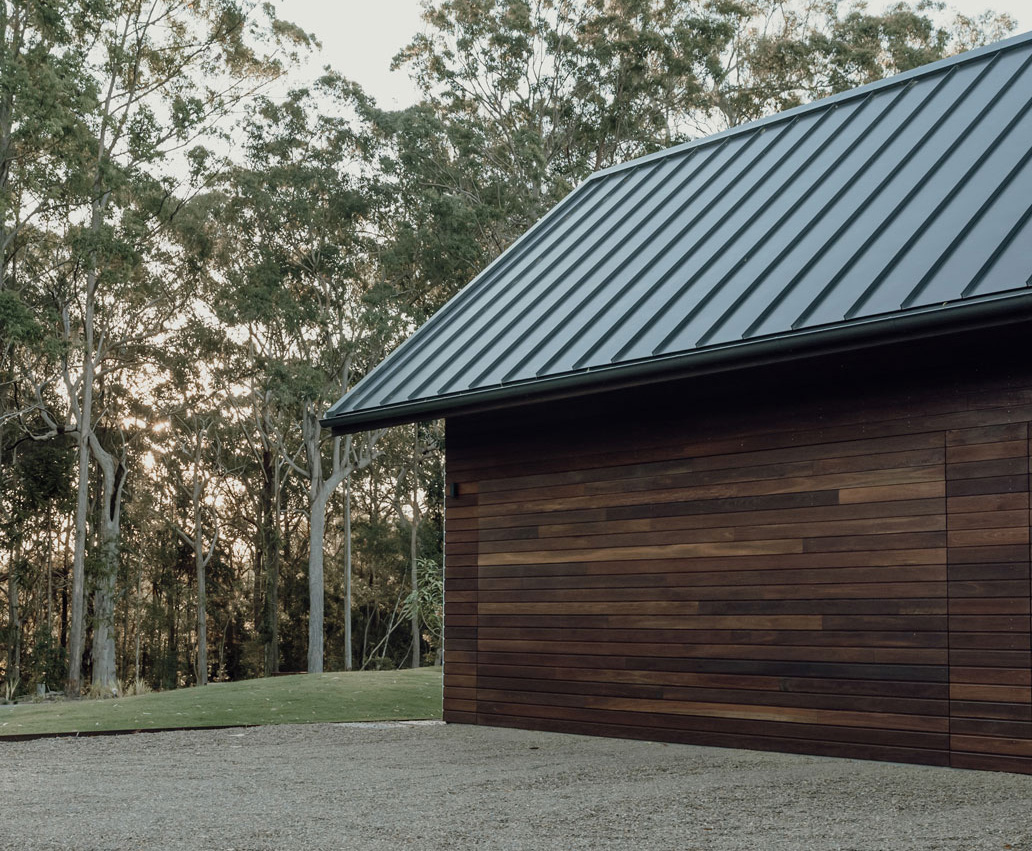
<point x="721" y="600"/>
<point x="988" y="572"/>
<point x="991" y="762"/>
<point x="989" y="537"/>
<point x="680" y="473"/>
<point x="990" y="606"/>
<point x="784" y="714"/>
<point x="990" y="693"/>
<point x="962" y="453"/>
<point x="879" y="486"/>
<point x="1016" y="465"/>
<point x="991" y="676"/>
<point x="988" y="502"/>
<point x="989" y="623"/>
<point x="988" y="709"/>
<point x="989" y="640"/>
<point x="752" y="682"/>
<point x="877" y="533"/>
<point x="993" y="728"/>
<point x="650" y="729"/>
<point x="887" y="655"/>
<point x="904" y="449"/>
<point x="960" y="521"/>
<point x="912" y="515"/>
<point x="857" y="670"/>
<point x="689" y="557"/>
<point x="669" y="632"/>
<point x="739" y="697"/>
<point x="994" y="485"/>
<point x="990" y="658"/>
<point x="820" y="582"/>
<point x="565" y="615"/>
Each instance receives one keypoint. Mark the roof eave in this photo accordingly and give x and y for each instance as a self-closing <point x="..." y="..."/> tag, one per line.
<point x="998" y="310"/>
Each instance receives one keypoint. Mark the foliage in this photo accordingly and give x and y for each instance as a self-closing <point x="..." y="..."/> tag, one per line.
<point x="193" y="266"/>
<point x="427" y="603"/>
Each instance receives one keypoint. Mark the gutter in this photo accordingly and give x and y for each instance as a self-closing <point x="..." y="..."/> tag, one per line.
<point x="921" y="323"/>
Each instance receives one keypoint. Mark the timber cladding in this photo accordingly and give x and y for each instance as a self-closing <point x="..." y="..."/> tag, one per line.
<point x="836" y="567"/>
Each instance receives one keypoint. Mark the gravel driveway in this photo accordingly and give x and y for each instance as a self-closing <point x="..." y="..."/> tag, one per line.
<point x="431" y="786"/>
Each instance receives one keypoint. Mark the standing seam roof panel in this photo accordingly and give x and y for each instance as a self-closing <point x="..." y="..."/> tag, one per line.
<point x="905" y="199"/>
<point x="855" y="213"/>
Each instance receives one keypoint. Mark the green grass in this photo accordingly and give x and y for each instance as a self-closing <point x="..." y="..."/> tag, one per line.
<point x="356" y="696"/>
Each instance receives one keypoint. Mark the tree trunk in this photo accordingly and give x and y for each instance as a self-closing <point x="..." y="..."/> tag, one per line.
<point x="76" y="636"/>
<point x="50" y="574"/>
<point x="414" y="554"/>
<point x="14" y="629"/>
<point x="317" y="527"/>
<point x="138" y="617"/>
<point x="105" y="679"/>
<point x="348" y="660"/>
<point x="201" y="560"/>
<point x="202" y="625"/>
<point x="269" y="541"/>
<point x="414" y="547"/>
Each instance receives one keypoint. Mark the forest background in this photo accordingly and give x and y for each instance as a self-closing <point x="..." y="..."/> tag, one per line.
<point x="197" y="259"/>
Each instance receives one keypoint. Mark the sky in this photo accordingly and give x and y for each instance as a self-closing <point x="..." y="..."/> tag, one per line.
<point x="360" y="37"/>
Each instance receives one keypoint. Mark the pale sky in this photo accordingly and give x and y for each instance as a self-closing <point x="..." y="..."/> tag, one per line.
<point x="360" y="37"/>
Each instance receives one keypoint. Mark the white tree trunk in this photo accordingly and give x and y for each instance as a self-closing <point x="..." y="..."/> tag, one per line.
<point x="348" y="658"/>
<point x="414" y="556"/>
<point x="414" y="545"/>
<point x="316" y="594"/>
<point x="105" y="678"/>
<point x="76" y="632"/>
<point x="201" y="563"/>
<point x="202" y="625"/>
<point x="14" y="635"/>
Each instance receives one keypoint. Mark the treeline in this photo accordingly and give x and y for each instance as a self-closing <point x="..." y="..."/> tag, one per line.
<point x="193" y="270"/>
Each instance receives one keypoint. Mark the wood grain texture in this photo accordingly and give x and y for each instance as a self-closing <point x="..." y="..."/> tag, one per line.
<point x="835" y="565"/>
<point x="986" y="611"/>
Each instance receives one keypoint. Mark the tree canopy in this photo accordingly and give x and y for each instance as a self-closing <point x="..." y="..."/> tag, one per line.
<point x="192" y="268"/>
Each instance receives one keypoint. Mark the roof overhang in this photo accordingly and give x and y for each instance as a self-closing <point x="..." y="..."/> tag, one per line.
<point x="920" y="323"/>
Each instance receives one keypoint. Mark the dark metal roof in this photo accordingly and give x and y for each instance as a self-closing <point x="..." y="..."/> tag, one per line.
<point x="900" y="208"/>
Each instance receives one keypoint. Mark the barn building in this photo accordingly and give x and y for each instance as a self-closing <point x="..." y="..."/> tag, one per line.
<point x="738" y="437"/>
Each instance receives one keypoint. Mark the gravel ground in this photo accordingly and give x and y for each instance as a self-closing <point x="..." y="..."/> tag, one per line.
<point x="431" y="786"/>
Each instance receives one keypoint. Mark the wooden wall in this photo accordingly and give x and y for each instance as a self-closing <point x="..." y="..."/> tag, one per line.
<point x="831" y="558"/>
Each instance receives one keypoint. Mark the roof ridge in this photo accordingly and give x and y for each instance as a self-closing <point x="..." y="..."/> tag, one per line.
<point x="901" y="79"/>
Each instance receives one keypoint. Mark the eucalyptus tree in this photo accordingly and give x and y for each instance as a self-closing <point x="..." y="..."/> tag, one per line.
<point x="198" y="460"/>
<point x="410" y="502"/>
<point x="165" y="72"/>
<point x="298" y="210"/>
<point x="781" y="55"/>
<point x="42" y="47"/>
<point x="523" y="99"/>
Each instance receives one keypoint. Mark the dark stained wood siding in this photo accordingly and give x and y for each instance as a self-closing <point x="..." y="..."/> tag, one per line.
<point x="460" y="606"/>
<point x="837" y="566"/>
<point x="990" y="663"/>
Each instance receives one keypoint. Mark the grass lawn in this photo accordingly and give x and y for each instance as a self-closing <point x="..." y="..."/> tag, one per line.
<point x="355" y="696"/>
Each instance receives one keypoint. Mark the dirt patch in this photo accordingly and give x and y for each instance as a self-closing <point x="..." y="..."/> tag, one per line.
<point x="431" y="786"/>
